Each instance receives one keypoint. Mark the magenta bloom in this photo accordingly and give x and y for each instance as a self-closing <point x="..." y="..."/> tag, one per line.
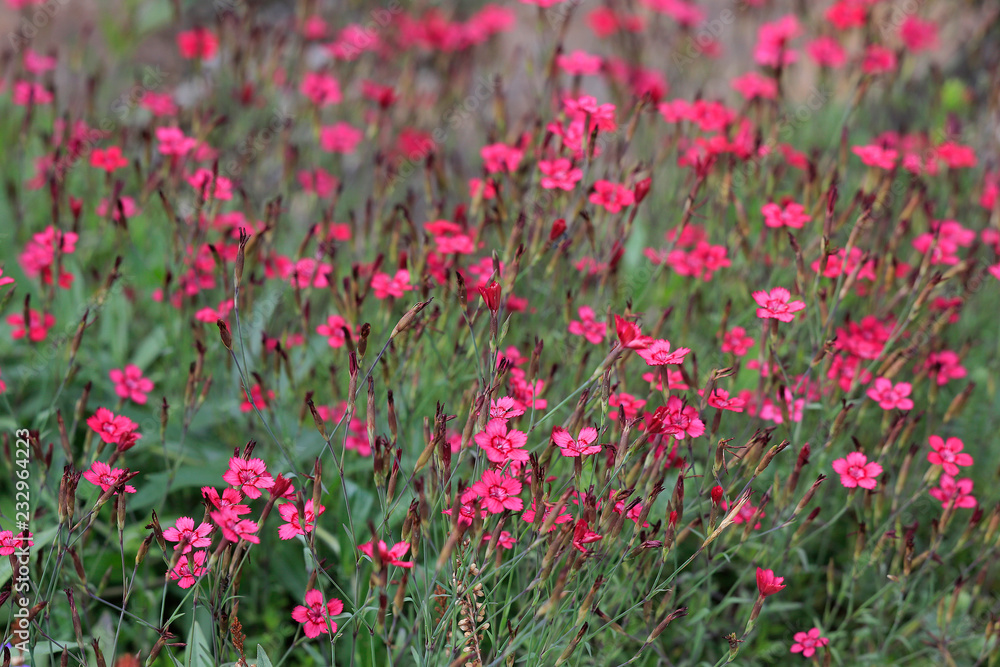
<point x="612" y="196"/>
<point x="233" y="528"/>
<point x="559" y="174"/>
<point x="294" y="526"/>
<point x="316" y="616"/>
<point x="582" y="446"/>
<point x="776" y="304"/>
<point x="790" y="214"/>
<point x="855" y="470"/>
<point x="587" y="327"/>
<point x="498" y="492"/>
<point x="187" y="536"/>
<point x="334" y="330"/>
<point x="806" y="643"/>
<point x="500" y="444"/>
<point x="948" y="454"/>
<point x="249" y="476"/>
<point x="389" y="556"/>
<point x="889" y="396"/>
<point x="189" y="568"/>
<point x="9" y="542"/>
<point x="130" y="384"/>
<point x="767" y="583"/>
<point x="951" y="491"/>
<point x="104" y="476"/>
<point x="659" y="354"/>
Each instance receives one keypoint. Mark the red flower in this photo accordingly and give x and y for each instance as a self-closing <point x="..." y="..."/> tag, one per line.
<point x="108" y="160"/>
<point x="189" y="568"/>
<point x="658" y="353"/>
<point x="888" y="397"/>
<point x="736" y="341"/>
<point x="767" y="583"/>
<point x="612" y="196"/>
<point x="187" y="536"/>
<point x="582" y="446"/>
<point x="806" y="643"/>
<point x="114" y="430"/>
<point x="776" y="304"/>
<point x="102" y="475"/>
<point x="315" y="615"/>
<point x="197" y="43"/>
<point x="233" y="528"/>
<point x="334" y="331"/>
<point x="587" y="327"/>
<point x="582" y="534"/>
<point x="948" y="454"/>
<point x="559" y="174"/>
<point x="561" y="517"/>
<point x="294" y="526"/>
<point x="386" y="286"/>
<point x="498" y="492"/>
<point x="789" y="214"/>
<point x="388" y="556"/>
<point x="339" y="138"/>
<point x="952" y="492"/>
<point x="855" y="470"/>
<point x="491" y="295"/>
<point x="129" y="383"/>
<point x="248" y="476"/>
<point x="500" y="445"/>
<point x="629" y="334"/>
<point x="38" y="326"/>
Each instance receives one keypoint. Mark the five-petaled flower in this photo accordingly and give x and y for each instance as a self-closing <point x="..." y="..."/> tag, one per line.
<point x="948" y="454"/>
<point x="248" y="476"/>
<point x="105" y="476"/>
<point x="129" y="383"/>
<point x="388" y="556"/>
<point x="889" y="396"/>
<point x="498" y="492"/>
<point x="294" y="525"/>
<point x="187" y="536"/>
<point x="954" y="492"/>
<point x="189" y="568"/>
<point x="500" y="444"/>
<point x="776" y="305"/>
<point x="583" y="445"/>
<point x="855" y="470"/>
<point x="806" y="643"/>
<point x="767" y="583"/>
<point x="317" y="616"/>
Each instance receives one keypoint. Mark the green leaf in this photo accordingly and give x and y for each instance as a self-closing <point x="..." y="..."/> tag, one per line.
<point x="151" y="491"/>
<point x="197" y="653"/>
<point x="262" y="659"/>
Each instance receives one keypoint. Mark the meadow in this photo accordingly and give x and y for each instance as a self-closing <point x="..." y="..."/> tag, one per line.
<point x="536" y="332"/>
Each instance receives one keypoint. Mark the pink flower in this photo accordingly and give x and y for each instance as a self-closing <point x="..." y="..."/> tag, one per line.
<point x="259" y="400"/>
<point x="789" y="214"/>
<point x="587" y="327"/>
<point x="112" y="429"/>
<point x="948" y="454"/>
<point x="767" y="583"/>
<point x="500" y="445"/>
<point x="174" y="142"/>
<point x="878" y="60"/>
<point x="386" y="286"/>
<point x="9" y="542"/>
<point x="944" y="366"/>
<point x="334" y="331"/>
<point x="561" y="515"/>
<point x="498" y="492"/>
<point x="919" y="35"/>
<point x="505" y="541"/>
<point x="294" y="526"/>
<point x="876" y="156"/>
<point x="108" y="160"/>
<point x="321" y="89"/>
<point x="776" y="304"/>
<point x="104" y="476"/>
<point x="386" y="555"/>
<point x="676" y="419"/>
<point x="197" y="43"/>
<point x="559" y="174"/>
<point x="827" y="52"/>
<point x="248" y="476"/>
<point x="582" y="534"/>
<point x="340" y="138"/>
<point x="579" y="62"/>
<point x="498" y="158"/>
<point x="317" y="616"/>
<point x="38" y="327"/>
<point x="187" y="536"/>
<point x="130" y="384"/>
<point x="720" y="399"/>
<point x="658" y="353"/>
<point x="5" y="281"/>
<point x="229" y="500"/>
<point x="806" y="643"/>
<point x="582" y="446"/>
<point x="952" y="492"/>
<point x="612" y="196"/>
<point x="233" y="528"/>
<point x="888" y="396"/>
<point x="736" y="341"/>
<point x="855" y="470"/>
<point x="753" y="84"/>
<point x="189" y="568"/>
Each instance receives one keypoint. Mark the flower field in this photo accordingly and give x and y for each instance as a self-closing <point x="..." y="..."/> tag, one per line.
<point x="535" y="332"/>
